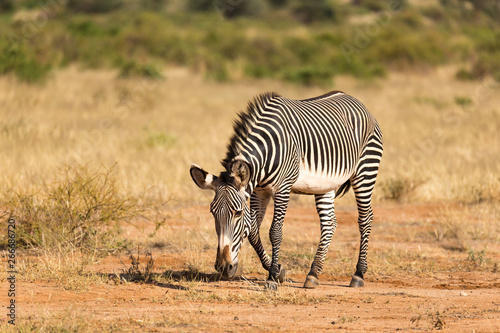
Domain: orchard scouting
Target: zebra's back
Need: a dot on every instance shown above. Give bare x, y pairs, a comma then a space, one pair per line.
330, 132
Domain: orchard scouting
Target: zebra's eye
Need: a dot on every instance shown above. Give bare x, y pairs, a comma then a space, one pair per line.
238, 213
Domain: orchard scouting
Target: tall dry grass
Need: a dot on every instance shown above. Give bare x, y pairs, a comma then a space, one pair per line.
441, 135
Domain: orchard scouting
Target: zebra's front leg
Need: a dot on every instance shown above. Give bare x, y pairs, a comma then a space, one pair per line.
254, 239
277, 273
328, 222
258, 205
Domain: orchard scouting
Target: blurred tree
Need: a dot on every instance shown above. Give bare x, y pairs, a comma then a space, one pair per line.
490, 7
93, 6
200, 5
377, 6
278, 3
309, 11
235, 8
6, 5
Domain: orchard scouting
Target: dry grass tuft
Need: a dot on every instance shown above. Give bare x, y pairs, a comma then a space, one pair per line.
69, 270
460, 228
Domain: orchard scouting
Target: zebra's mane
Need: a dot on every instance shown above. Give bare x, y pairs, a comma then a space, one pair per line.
244, 124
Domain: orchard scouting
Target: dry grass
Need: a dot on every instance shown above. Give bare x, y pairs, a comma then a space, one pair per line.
466, 228
74, 320
435, 148
69, 270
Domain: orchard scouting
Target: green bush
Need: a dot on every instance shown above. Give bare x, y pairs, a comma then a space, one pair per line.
310, 75
132, 68
464, 75
272, 46
19, 59
401, 46
487, 65
463, 101
488, 61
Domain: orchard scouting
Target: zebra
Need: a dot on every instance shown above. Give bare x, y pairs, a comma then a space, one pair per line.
320, 146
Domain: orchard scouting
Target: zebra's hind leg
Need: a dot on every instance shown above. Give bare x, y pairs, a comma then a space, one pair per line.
362, 186
365, 218
328, 222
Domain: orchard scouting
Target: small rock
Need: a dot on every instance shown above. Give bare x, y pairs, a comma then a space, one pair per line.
236, 318
463, 293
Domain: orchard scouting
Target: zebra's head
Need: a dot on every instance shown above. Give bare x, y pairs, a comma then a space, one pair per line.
230, 211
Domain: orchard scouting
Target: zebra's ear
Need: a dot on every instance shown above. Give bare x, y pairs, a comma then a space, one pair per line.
204, 180
241, 172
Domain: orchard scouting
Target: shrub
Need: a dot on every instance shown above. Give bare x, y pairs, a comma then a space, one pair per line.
137, 272
82, 209
464, 75
396, 188
488, 64
310, 75
477, 258
132, 68
18, 58
400, 46
463, 101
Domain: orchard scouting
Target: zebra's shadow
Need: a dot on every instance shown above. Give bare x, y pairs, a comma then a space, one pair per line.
175, 280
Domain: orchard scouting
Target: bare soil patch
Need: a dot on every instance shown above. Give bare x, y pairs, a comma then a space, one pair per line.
406, 295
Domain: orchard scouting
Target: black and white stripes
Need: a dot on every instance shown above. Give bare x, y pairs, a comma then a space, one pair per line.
318, 146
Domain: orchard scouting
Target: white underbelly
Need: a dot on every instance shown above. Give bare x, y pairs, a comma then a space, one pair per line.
317, 183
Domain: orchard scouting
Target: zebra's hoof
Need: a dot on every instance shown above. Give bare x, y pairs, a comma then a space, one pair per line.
282, 274
357, 282
311, 282
271, 285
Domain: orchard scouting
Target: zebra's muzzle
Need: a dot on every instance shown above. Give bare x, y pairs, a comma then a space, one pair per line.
225, 265
228, 270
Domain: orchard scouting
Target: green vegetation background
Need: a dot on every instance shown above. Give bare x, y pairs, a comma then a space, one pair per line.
308, 42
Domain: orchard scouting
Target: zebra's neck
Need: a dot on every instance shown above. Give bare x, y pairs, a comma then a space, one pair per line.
244, 124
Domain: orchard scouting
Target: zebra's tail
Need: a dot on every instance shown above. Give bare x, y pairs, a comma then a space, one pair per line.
343, 189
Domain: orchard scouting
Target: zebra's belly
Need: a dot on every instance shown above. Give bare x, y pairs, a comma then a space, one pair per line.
310, 182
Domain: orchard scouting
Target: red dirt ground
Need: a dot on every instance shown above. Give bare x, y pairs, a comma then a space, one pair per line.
455, 301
